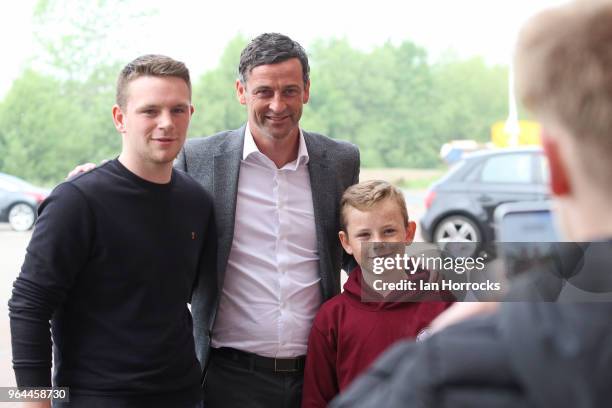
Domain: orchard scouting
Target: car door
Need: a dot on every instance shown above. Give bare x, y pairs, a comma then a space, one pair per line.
6, 196
507, 177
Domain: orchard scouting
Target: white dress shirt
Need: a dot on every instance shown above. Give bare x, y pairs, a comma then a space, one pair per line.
271, 291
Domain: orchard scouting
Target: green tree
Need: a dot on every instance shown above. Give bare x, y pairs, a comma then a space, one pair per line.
375, 100
214, 94
76, 38
58, 113
43, 131
470, 96
390, 101
332, 110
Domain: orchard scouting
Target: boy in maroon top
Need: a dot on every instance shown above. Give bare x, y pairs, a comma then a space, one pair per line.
348, 334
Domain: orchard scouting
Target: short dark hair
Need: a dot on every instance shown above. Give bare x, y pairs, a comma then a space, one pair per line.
271, 48
150, 65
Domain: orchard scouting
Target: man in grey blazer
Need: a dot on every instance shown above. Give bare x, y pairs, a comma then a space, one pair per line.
276, 190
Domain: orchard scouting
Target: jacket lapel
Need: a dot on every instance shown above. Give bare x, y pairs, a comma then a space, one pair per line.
322, 182
226, 172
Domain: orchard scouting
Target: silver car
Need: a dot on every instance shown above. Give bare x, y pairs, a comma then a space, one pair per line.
19, 201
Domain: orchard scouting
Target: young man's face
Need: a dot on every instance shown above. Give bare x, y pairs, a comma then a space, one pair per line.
155, 118
382, 223
274, 95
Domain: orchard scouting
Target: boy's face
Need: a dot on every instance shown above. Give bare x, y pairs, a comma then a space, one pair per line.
381, 223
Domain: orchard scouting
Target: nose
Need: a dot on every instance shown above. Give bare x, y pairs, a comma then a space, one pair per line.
377, 247
377, 243
165, 121
277, 104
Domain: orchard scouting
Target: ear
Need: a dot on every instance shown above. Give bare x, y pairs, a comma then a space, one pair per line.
241, 92
119, 119
559, 182
306, 95
344, 241
410, 231
191, 109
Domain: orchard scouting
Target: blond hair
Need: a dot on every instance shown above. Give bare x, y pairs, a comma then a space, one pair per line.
564, 75
367, 194
149, 65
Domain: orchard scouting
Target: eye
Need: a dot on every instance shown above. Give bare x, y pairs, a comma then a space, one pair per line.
179, 110
264, 93
390, 231
149, 112
291, 92
363, 236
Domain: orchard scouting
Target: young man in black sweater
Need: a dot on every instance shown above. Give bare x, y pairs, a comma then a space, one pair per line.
113, 261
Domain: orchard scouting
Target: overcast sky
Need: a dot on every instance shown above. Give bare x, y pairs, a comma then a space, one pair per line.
197, 32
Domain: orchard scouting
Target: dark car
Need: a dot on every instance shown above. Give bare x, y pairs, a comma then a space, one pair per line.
19, 201
460, 206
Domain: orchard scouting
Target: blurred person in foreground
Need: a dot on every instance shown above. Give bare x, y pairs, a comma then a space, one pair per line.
356, 326
113, 261
526, 353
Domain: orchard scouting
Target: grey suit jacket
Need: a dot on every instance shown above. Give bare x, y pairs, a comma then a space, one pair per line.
215, 163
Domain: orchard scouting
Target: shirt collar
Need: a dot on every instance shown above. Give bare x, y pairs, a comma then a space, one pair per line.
250, 148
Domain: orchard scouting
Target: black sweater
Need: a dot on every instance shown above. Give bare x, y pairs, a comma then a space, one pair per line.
112, 263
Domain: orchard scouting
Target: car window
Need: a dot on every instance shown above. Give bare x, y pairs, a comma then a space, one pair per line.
454, 169
507, 168
474, 174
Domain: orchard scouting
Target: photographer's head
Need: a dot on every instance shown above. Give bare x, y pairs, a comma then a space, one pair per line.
564, 76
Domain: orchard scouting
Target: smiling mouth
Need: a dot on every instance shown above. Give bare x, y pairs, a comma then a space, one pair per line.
276, 118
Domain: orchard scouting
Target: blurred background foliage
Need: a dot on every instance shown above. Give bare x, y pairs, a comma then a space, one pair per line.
392, 101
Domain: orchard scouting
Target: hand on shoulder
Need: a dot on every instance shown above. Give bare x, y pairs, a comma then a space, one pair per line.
83, 168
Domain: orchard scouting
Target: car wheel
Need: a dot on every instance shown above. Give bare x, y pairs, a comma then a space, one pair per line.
21, 216
459, 229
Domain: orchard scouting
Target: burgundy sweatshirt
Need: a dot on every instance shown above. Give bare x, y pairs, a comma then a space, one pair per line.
347, 335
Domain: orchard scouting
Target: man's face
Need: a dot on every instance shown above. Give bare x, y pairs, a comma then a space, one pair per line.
155, 119
274, 95
382, 223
